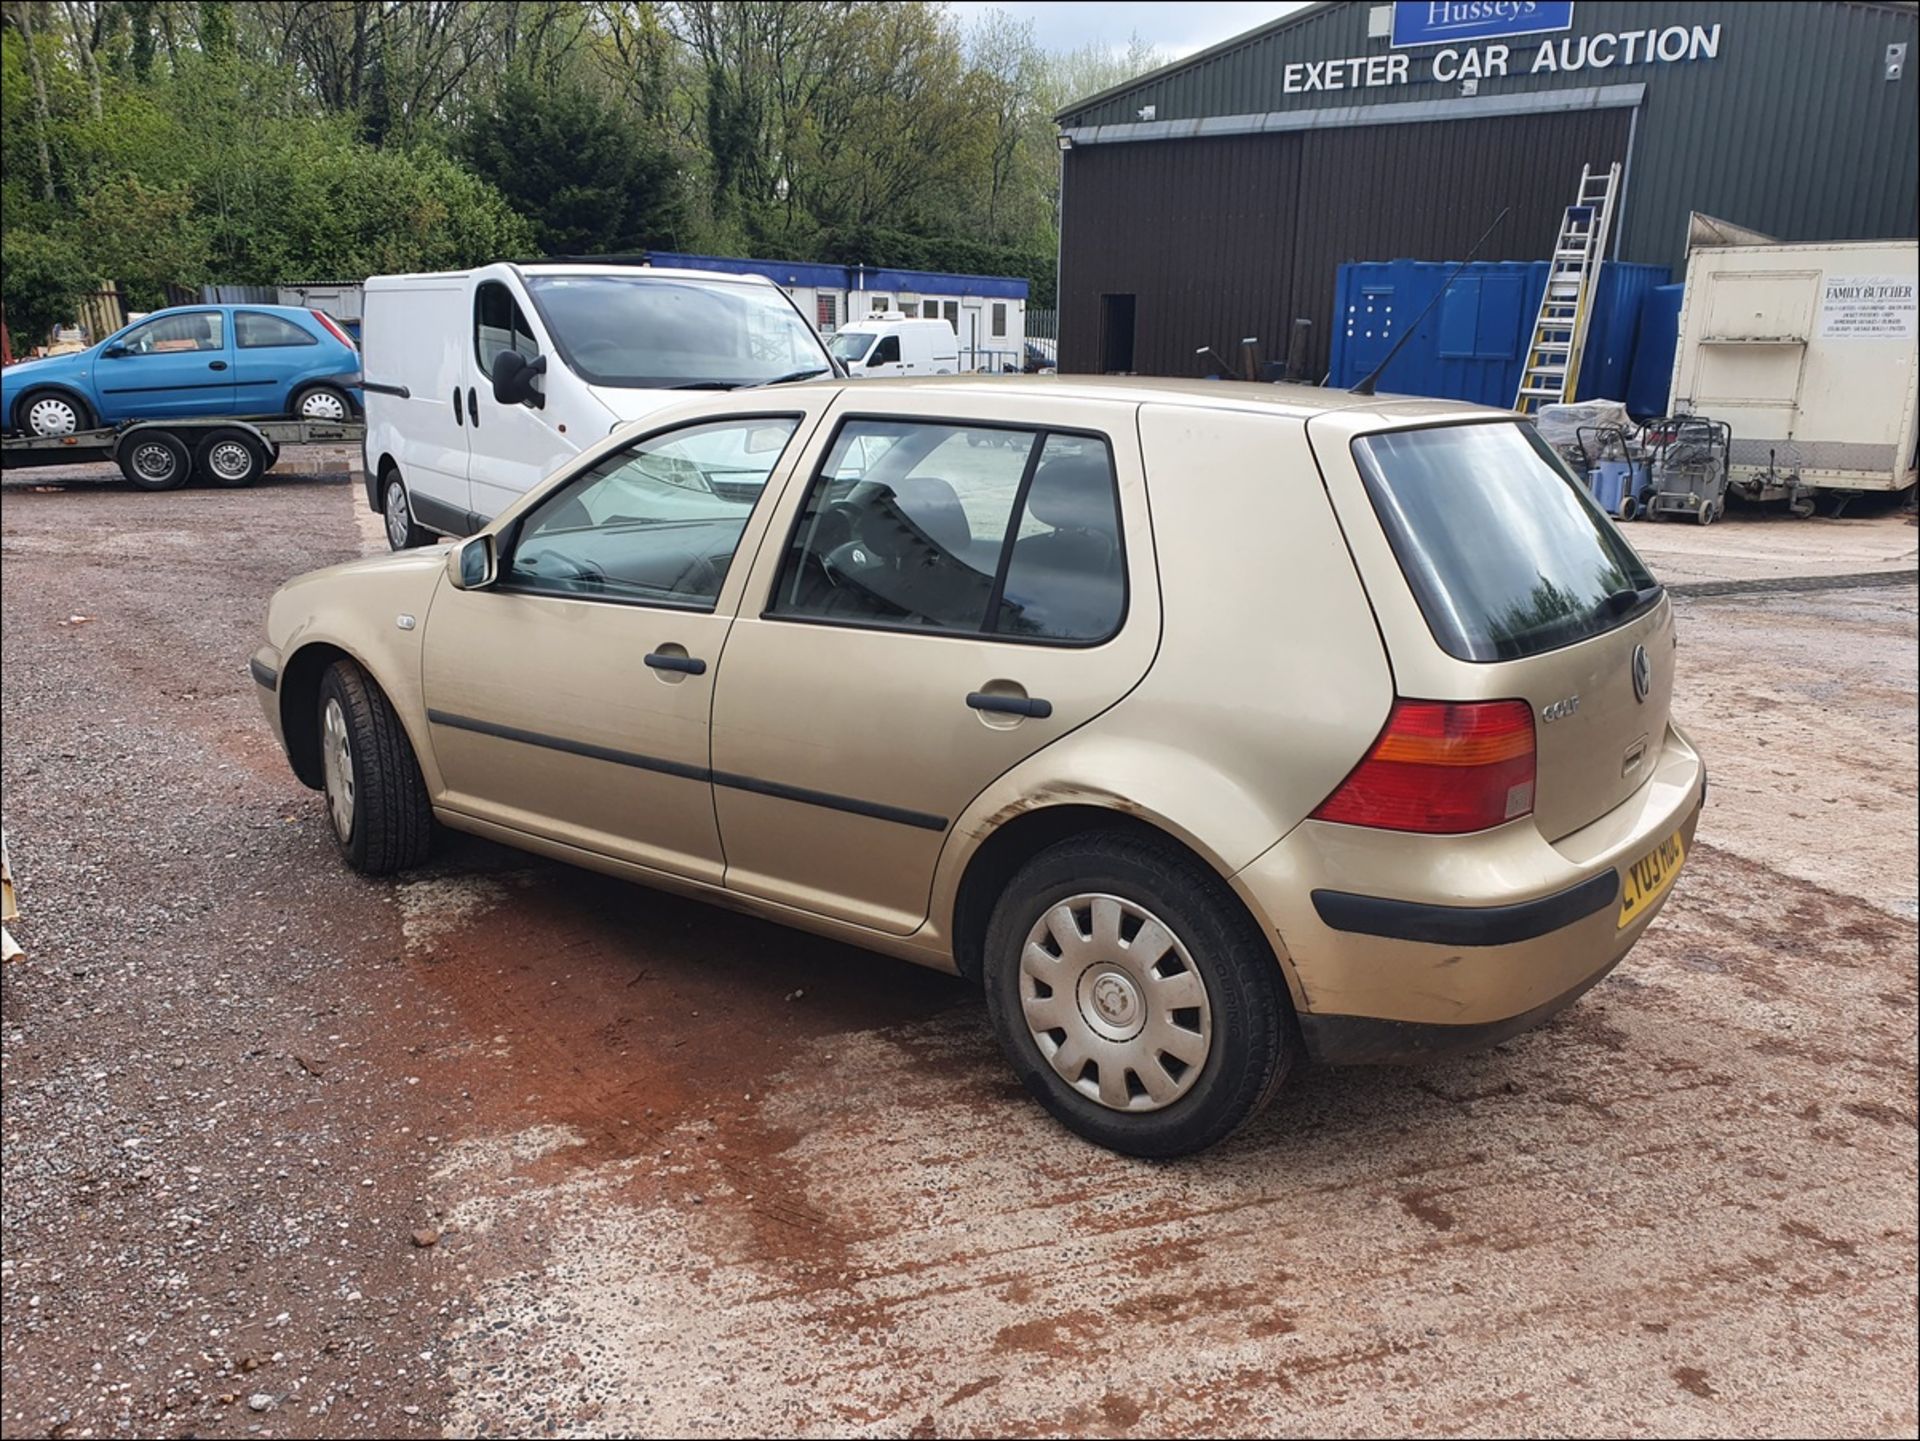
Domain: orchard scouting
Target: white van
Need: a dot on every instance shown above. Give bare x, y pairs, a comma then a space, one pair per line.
479, 383
891, 344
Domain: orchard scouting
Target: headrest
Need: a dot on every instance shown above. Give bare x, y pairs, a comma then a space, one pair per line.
1074, 492
930, 506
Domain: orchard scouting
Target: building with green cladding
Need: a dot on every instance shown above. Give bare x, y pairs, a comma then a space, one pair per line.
1215, 198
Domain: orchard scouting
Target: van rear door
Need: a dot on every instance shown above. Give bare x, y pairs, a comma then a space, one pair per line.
1495, 576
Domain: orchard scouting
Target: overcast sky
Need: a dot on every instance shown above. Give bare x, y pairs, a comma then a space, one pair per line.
1179, 28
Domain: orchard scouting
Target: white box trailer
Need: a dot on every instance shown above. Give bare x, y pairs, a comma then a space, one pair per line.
1811, 353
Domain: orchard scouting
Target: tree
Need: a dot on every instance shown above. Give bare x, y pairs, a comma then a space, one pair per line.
145, 237
589, 177
43, 283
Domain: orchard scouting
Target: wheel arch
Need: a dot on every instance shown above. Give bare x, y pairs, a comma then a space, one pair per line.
1010, 845
376, 482
299, 702
89, 410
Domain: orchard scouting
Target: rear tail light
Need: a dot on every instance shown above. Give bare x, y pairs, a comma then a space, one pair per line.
1442, 768
333, 328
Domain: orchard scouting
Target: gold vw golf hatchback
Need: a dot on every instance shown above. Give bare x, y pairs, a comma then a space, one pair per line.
1208, 726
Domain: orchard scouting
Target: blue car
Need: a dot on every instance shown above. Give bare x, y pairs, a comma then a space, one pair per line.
263, 360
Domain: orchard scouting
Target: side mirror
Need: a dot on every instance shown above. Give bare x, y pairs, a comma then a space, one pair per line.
113, 352
471, 564
513, 377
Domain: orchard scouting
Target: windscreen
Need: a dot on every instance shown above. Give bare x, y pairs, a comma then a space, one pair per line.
654, 333
851, 345
1507, 556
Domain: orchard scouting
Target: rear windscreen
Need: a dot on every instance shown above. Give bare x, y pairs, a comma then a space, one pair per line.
1506, 555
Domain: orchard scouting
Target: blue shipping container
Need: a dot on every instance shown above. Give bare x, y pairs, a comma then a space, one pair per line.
1471, 344
1651, 379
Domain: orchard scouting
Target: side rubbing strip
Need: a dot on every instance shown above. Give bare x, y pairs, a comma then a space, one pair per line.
578, 748
919, 820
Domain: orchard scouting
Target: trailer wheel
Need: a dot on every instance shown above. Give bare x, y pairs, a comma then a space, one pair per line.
155, 460
230, 458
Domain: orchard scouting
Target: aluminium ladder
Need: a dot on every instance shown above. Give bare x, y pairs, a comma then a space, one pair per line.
1560, 330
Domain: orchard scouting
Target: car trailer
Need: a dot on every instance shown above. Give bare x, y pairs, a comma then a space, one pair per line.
222, 450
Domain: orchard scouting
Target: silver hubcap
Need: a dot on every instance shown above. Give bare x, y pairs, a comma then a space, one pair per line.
322, 405
336, 753
399, 522
52, 416
230, 460
1114, 1002
154, 462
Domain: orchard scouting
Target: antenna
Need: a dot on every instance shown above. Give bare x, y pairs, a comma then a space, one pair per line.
1365, 387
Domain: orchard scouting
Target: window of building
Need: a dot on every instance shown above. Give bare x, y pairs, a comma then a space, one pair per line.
960, 528
827, 312
999, 319
910, 309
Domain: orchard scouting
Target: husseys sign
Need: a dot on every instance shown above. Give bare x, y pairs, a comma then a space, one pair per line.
1439, 21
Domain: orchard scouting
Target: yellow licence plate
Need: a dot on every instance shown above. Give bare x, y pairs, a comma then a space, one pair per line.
1650, 877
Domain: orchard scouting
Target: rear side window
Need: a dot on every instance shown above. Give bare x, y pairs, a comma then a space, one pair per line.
1506, 555
962, 529
253, 330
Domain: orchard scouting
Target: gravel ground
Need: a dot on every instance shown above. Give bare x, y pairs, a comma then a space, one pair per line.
507, 1147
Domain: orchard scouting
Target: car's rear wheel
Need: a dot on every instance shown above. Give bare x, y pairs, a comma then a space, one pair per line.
322, 402
231, 458
1133, 996
155, 460
51, 413
376, 797
397, 510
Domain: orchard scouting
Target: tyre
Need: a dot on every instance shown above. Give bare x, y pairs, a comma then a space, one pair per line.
155, 460
321, 402
51, 412
230, 458
402, 533
1133, 996
376, 798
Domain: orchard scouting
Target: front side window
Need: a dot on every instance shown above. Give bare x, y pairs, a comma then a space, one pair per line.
253, 330
962, 529
661, 333
887, 352
656, 522
170, 334
1506, 555
499, 324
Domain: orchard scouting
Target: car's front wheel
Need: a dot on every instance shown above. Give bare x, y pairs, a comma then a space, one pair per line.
1134, 997
397, 511
50, 413
376, 797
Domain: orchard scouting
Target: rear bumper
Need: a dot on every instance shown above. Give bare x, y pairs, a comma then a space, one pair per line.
1406, 947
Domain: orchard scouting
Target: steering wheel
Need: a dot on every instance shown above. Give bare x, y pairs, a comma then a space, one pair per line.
565, 570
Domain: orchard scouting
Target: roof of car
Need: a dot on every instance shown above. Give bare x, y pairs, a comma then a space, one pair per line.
1297, 401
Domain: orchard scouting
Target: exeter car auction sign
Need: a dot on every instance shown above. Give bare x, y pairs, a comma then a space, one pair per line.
1440, 22
1495, 59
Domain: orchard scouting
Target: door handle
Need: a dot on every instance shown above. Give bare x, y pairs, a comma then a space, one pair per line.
473, 407
1011, 704
459, 417
216, 365
666, 660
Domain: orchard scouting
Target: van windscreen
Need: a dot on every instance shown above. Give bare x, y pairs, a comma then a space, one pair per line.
656, 332
1507, 556
851, 345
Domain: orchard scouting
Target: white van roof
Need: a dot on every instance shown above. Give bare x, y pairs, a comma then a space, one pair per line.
565, 267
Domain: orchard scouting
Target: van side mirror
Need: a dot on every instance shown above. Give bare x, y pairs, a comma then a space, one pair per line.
471, 565
513, 377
